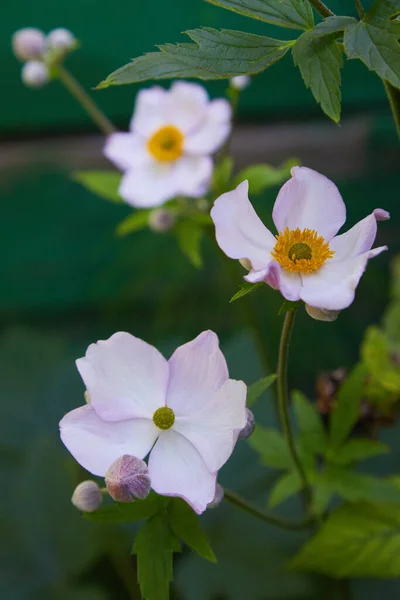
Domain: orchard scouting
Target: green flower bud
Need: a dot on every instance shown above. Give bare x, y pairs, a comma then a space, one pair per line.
128, 479
87, 496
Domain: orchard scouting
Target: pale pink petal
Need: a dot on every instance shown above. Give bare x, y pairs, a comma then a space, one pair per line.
126, 150
177, 469
213, 429
239, 231
96, 444
125, 377
358, 239
186, 105
150, 185
256, 276
333, 286
192, 175
149, 114
289, 284
197, 370
309, 200
213, 131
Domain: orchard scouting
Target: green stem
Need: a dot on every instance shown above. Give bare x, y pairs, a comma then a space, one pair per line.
393, 95
360, 8
283, 403
261, 514
322, 9
78, 92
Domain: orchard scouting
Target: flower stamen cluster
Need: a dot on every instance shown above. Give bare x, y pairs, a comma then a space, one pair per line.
301, 250
166, 144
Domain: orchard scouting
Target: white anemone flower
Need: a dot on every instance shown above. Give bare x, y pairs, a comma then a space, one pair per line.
306, 260
185, 412
167, 152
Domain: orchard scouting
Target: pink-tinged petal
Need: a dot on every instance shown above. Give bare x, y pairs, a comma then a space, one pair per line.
126, 150
213, 430
333, 286
309, 200
186, 105
197, 370
192, 175
239, 231
125, 377
257, 276
177, 469
213, 131
288, 284
149, 114
358, 239
96, 444
150, 185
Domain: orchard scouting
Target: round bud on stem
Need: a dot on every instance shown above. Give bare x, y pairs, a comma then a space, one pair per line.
219, 496
60, 39
128, 479
161, 220
28, 43
87, 496
322, 314
240, 82
34, 74
249, 427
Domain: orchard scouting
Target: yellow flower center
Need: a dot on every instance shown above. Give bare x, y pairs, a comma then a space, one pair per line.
166, 144
164, 417
301, 250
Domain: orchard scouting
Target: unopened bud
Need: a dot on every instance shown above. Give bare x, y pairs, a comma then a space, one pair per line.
161, 220
240, 82
60, 39
28, 43
87, 497
34, 74
128, 479
322, 314
249, 427
218, 497
245, 263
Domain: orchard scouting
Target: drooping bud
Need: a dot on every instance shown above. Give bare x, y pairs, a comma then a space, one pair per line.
322, 314
161, 220
249, 427
218, 497
87, 496
34, 74
28, 43
240, 82
246, 264
60, 39
128, 479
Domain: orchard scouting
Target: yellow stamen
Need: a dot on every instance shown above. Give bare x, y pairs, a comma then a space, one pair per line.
166, 144
301, 250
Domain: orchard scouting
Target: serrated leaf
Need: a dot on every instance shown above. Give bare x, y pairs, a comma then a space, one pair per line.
129, 512
358, 540
102, 183
359, 449
357, 487
246, 288
271, 447
189, 235
286, 486
216, 54
133, 222
295, 14
255, 390
222, 175
186, 526
262, 177
312, 431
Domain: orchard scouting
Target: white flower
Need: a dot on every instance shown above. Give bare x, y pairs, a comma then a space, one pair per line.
28, 43
167, 152
34, 74
185, 412
60, 39
240, 82
306, 260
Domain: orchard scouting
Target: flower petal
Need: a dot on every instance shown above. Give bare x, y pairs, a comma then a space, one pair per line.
96, 444
358, 239
149, 186
197, 370
149, 114
186, 105
213, 131
177, 469
213, 430
125, 150
125, 377
333, 286
288, 284
309, 200
193, 175
239, 231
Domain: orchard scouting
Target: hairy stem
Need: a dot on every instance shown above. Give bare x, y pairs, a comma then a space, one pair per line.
360, 8
78, 92
322, 9
393, 95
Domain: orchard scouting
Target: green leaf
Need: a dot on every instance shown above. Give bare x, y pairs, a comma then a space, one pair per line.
255, 390
322, 495
245, 288
154, 547
262, 177
356, 487
128, 512
133, 222
272, 448
376, 353
186, 526
222, 175
312, 432
102, 183
295, 14
359, 449
189, 235
345, 415
286, 486
358, 540
375, 41
216, 54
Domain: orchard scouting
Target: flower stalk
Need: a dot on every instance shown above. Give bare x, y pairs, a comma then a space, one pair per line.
322, 9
